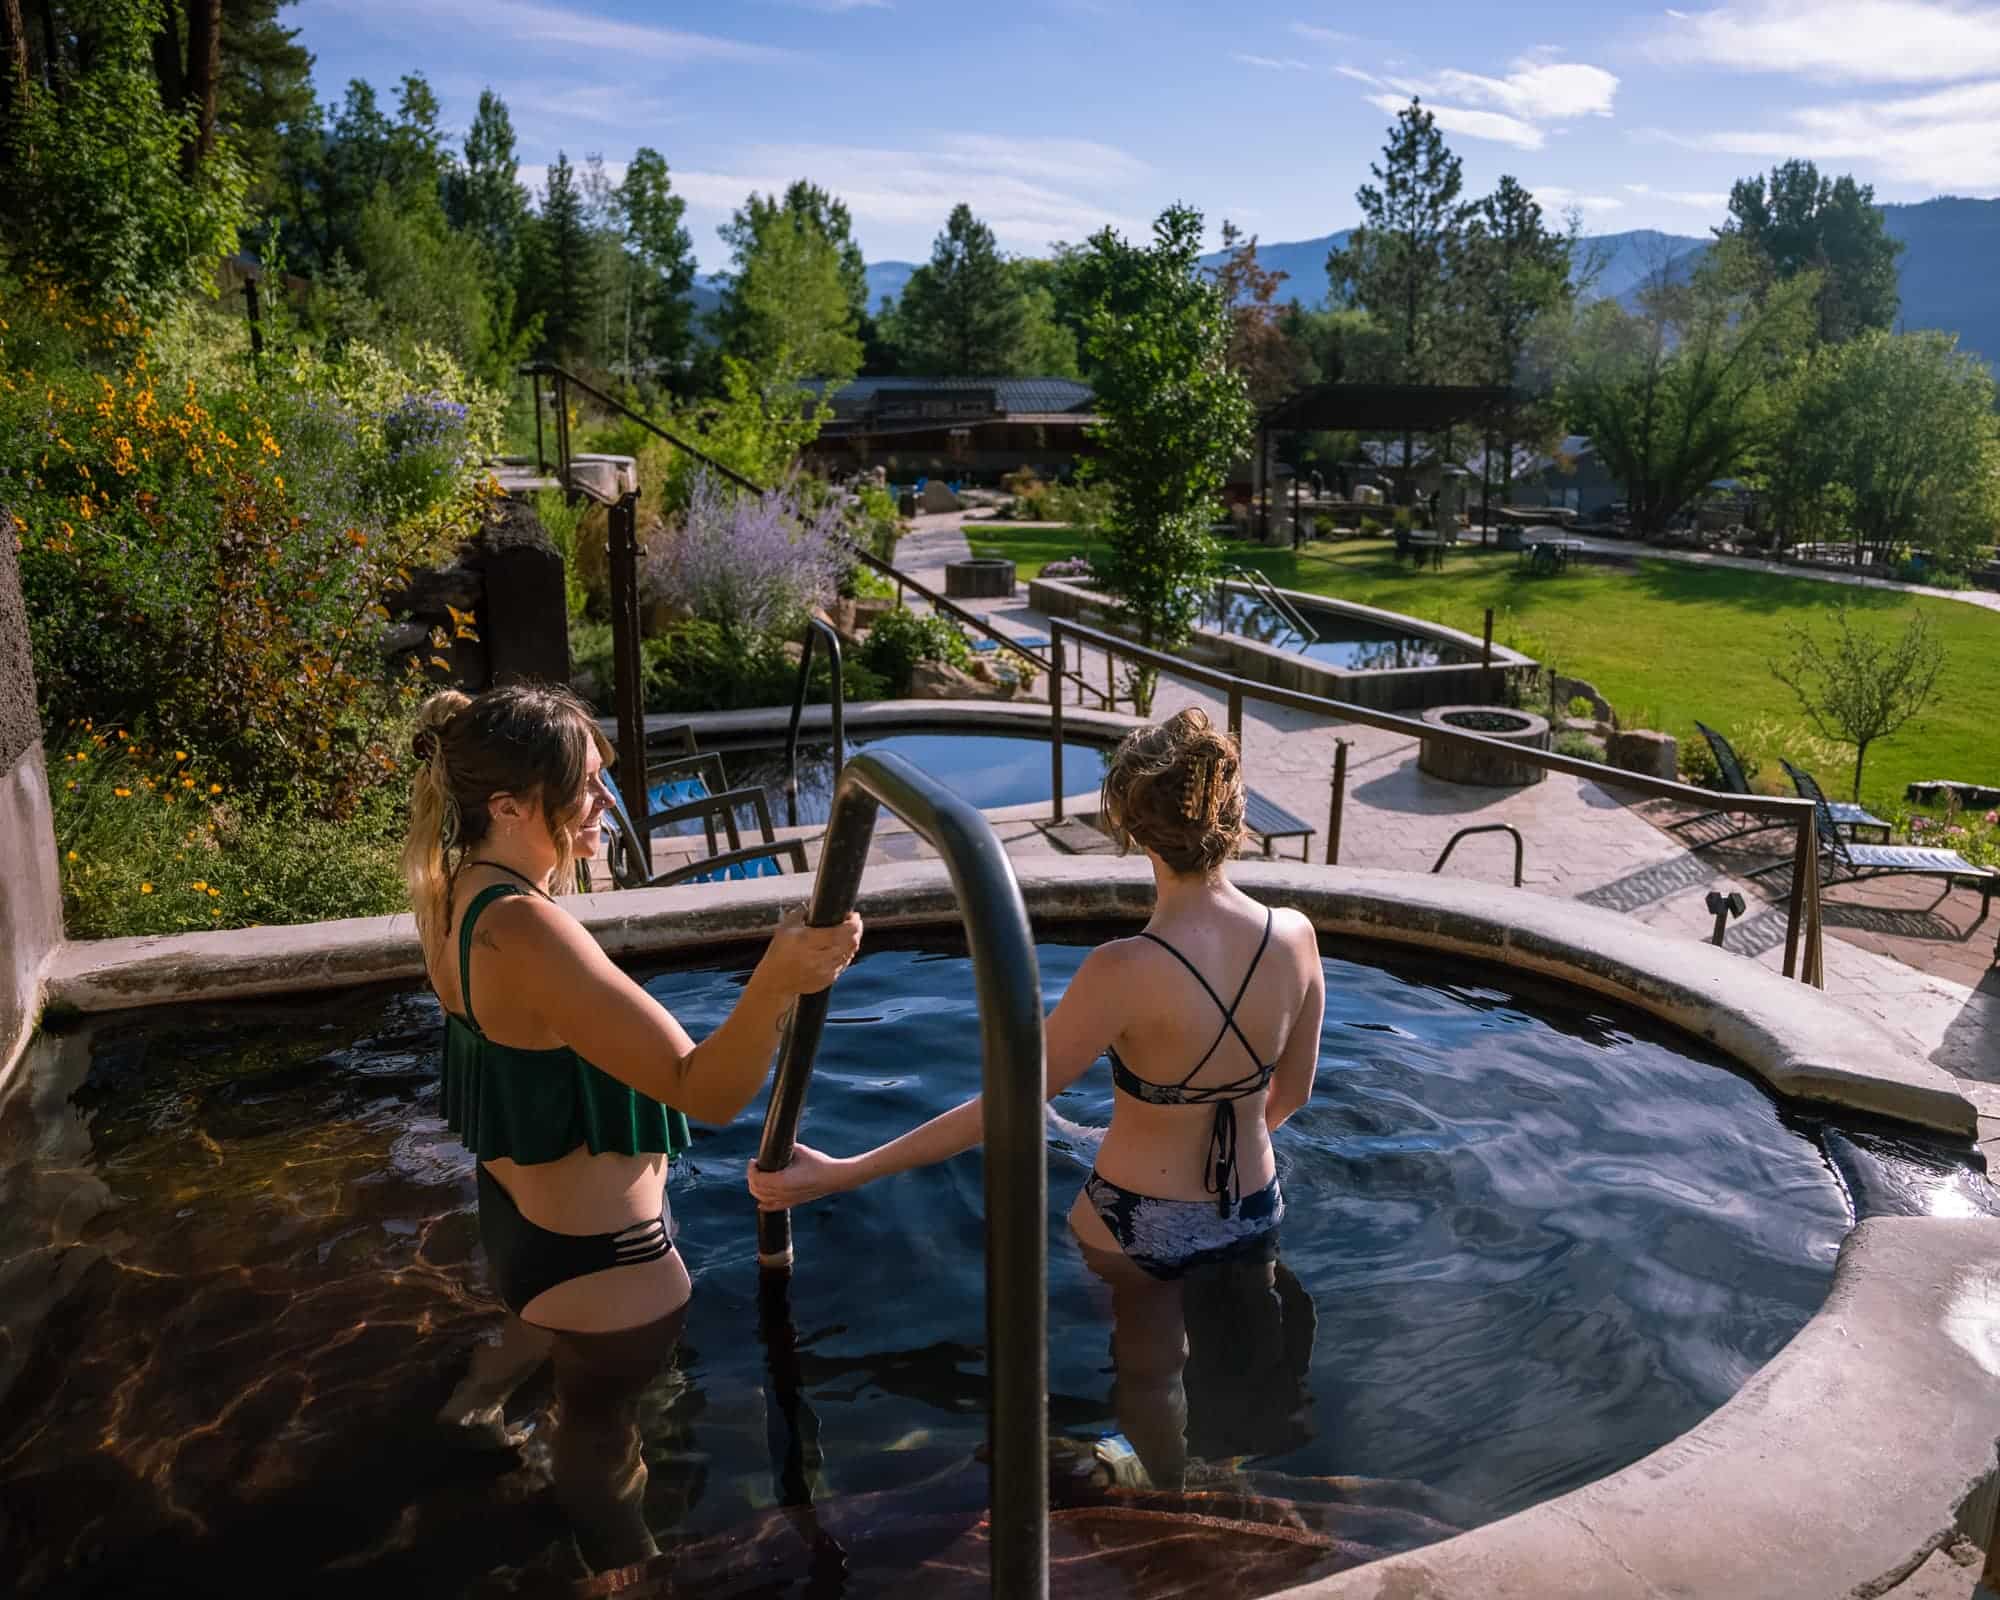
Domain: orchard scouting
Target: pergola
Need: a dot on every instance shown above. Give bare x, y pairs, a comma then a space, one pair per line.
1393, 408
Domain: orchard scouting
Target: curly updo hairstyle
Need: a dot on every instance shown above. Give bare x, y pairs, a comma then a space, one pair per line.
1176, 789
524, 740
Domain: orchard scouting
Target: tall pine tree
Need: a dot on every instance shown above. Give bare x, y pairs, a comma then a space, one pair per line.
564, 264
1802, 222
1401, 263
963, 313
657, 236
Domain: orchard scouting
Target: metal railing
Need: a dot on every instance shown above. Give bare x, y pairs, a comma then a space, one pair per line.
1507, 828
563, 381
1013, 1080
1802, 904
817, 631
1268, 592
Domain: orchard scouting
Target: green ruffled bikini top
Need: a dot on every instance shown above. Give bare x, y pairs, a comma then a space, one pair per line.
534, 1106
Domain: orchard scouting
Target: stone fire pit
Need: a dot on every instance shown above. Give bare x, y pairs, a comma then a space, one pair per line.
983, 578
1456, 763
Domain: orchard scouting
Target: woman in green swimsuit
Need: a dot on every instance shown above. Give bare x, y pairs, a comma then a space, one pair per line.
569, 1083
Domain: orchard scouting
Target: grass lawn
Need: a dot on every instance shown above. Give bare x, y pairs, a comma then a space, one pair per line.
1665, 644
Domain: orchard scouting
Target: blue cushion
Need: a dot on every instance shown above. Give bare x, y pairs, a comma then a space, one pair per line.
762, 867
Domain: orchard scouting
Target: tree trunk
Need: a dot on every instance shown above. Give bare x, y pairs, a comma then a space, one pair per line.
14, 66
1860, 755
201, 80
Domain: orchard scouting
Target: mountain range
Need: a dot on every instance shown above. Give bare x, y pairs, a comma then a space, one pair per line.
1950, 248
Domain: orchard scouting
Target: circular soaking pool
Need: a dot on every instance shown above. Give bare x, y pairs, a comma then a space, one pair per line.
1531, 1237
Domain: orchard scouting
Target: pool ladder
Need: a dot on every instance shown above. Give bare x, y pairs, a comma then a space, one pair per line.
1013, 1080
818, 631
1271, 595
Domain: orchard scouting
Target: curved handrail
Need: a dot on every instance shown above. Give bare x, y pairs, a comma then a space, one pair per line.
1508, 828
1013, 1079
1268, 592
817, 629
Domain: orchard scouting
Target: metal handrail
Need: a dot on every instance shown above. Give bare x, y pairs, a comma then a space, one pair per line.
537, 370
1013, 1082
1802, 913
818, 629
1268, 592
1451, 844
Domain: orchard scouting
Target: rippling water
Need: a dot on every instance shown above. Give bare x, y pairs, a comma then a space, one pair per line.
1530, 1237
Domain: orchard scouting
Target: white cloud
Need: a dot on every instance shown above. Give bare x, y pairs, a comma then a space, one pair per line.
1273, 63
1840, 41
1947, 140
1509, 110
1473, 124
1700, 199
1319, 35
550, 27
1540, 91
1554, 197
1031, 192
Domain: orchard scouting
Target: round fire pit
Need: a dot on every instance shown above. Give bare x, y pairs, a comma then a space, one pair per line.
980, 579
1481, 764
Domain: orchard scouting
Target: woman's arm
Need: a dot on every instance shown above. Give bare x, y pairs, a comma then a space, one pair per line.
1085, 1020
539, 950
1292, 1082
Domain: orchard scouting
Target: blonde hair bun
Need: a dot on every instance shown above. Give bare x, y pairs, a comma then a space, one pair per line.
1176, 788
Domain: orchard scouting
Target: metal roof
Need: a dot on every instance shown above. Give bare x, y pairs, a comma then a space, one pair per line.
1043, 396
1387, 407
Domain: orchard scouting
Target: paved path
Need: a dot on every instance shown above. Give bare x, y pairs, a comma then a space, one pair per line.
1581, 839
1985, 598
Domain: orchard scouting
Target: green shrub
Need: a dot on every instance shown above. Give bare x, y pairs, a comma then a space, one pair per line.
1581, 708
1579, 745
148, 843
900, 639
562, 521
1370, 528
873, 523
699, 666
205, 567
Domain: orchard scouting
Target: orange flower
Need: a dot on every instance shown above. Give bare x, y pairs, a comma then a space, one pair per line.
145, 888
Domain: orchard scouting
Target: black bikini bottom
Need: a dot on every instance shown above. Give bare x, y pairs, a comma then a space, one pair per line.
1169, 1238
527, 1259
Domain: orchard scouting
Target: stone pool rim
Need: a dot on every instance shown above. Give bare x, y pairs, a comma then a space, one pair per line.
1863, 1447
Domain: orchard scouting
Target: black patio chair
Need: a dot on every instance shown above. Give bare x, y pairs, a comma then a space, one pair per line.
1844, 813
1842, 862
625, 862
1735, 781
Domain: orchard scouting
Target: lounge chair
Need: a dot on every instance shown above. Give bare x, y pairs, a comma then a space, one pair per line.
1845, 814
626, 861
1842, 862
1735, 781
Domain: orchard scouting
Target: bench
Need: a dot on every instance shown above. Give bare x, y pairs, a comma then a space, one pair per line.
1271, 822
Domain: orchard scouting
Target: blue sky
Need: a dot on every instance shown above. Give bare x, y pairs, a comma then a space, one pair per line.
1052, 117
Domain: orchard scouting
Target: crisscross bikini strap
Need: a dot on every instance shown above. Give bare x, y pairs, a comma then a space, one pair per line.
1229, 1023
480, 901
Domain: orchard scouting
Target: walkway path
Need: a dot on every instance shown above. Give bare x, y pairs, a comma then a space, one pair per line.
1985, 598
1582, 841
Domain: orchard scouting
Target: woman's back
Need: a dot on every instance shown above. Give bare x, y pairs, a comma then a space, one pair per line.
1199, 968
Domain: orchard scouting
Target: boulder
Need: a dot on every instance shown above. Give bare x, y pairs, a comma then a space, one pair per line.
1640, 750
938, 497
1565, 690
939, 680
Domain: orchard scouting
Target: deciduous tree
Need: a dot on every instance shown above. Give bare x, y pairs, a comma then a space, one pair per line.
1176, 414
1798, 221
1857, 685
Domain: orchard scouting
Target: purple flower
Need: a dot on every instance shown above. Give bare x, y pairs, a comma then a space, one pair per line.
751, 563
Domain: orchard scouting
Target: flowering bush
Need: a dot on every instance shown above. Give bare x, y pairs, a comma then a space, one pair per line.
752, 565
1973, 834
204, 566
900, 639
1068, 567
150, 842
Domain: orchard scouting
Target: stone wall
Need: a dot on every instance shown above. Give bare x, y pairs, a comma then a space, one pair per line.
30, 892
